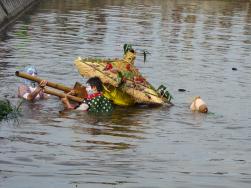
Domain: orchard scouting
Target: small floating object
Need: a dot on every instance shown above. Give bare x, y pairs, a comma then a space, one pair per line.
198, 105
234, 69
181, 90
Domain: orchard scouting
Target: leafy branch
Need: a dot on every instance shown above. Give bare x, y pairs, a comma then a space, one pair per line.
8, 111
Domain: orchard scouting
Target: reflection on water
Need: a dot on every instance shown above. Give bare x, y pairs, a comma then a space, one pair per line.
194, 45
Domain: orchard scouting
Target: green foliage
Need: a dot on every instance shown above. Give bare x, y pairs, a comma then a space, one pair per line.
123, 76
7, 111
165, 93
119, 77
127, 47
128, 75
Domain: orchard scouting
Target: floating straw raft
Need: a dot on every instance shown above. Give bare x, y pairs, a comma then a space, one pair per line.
121, 75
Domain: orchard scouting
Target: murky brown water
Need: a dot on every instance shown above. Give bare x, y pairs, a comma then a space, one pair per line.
193, 45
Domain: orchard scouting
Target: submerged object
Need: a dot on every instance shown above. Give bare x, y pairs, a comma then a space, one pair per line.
123, 82
181, 90
234, 69
199, 105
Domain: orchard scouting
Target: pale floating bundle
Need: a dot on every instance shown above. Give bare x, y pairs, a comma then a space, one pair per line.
122, 75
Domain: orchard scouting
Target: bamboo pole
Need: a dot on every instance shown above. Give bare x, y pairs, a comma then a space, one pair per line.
56, 86
38, 80
61, 95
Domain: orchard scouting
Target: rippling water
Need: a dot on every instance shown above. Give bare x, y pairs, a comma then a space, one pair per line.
194, 45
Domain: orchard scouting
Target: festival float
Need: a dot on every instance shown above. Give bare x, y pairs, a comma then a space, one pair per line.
122, 81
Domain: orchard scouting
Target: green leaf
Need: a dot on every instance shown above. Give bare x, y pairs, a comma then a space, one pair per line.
119, 77
7, 111
162, 90
128, 75
127, 47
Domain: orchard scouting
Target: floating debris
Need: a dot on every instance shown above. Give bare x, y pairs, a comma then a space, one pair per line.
8, 111
199, 105
234, 69
181, 90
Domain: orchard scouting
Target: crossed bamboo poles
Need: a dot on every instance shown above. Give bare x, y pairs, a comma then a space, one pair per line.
78, 88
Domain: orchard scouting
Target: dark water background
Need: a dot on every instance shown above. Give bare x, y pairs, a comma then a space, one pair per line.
193, 45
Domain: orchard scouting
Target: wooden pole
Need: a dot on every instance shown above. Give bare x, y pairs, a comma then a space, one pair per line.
80, 90
61, 95
38, 80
